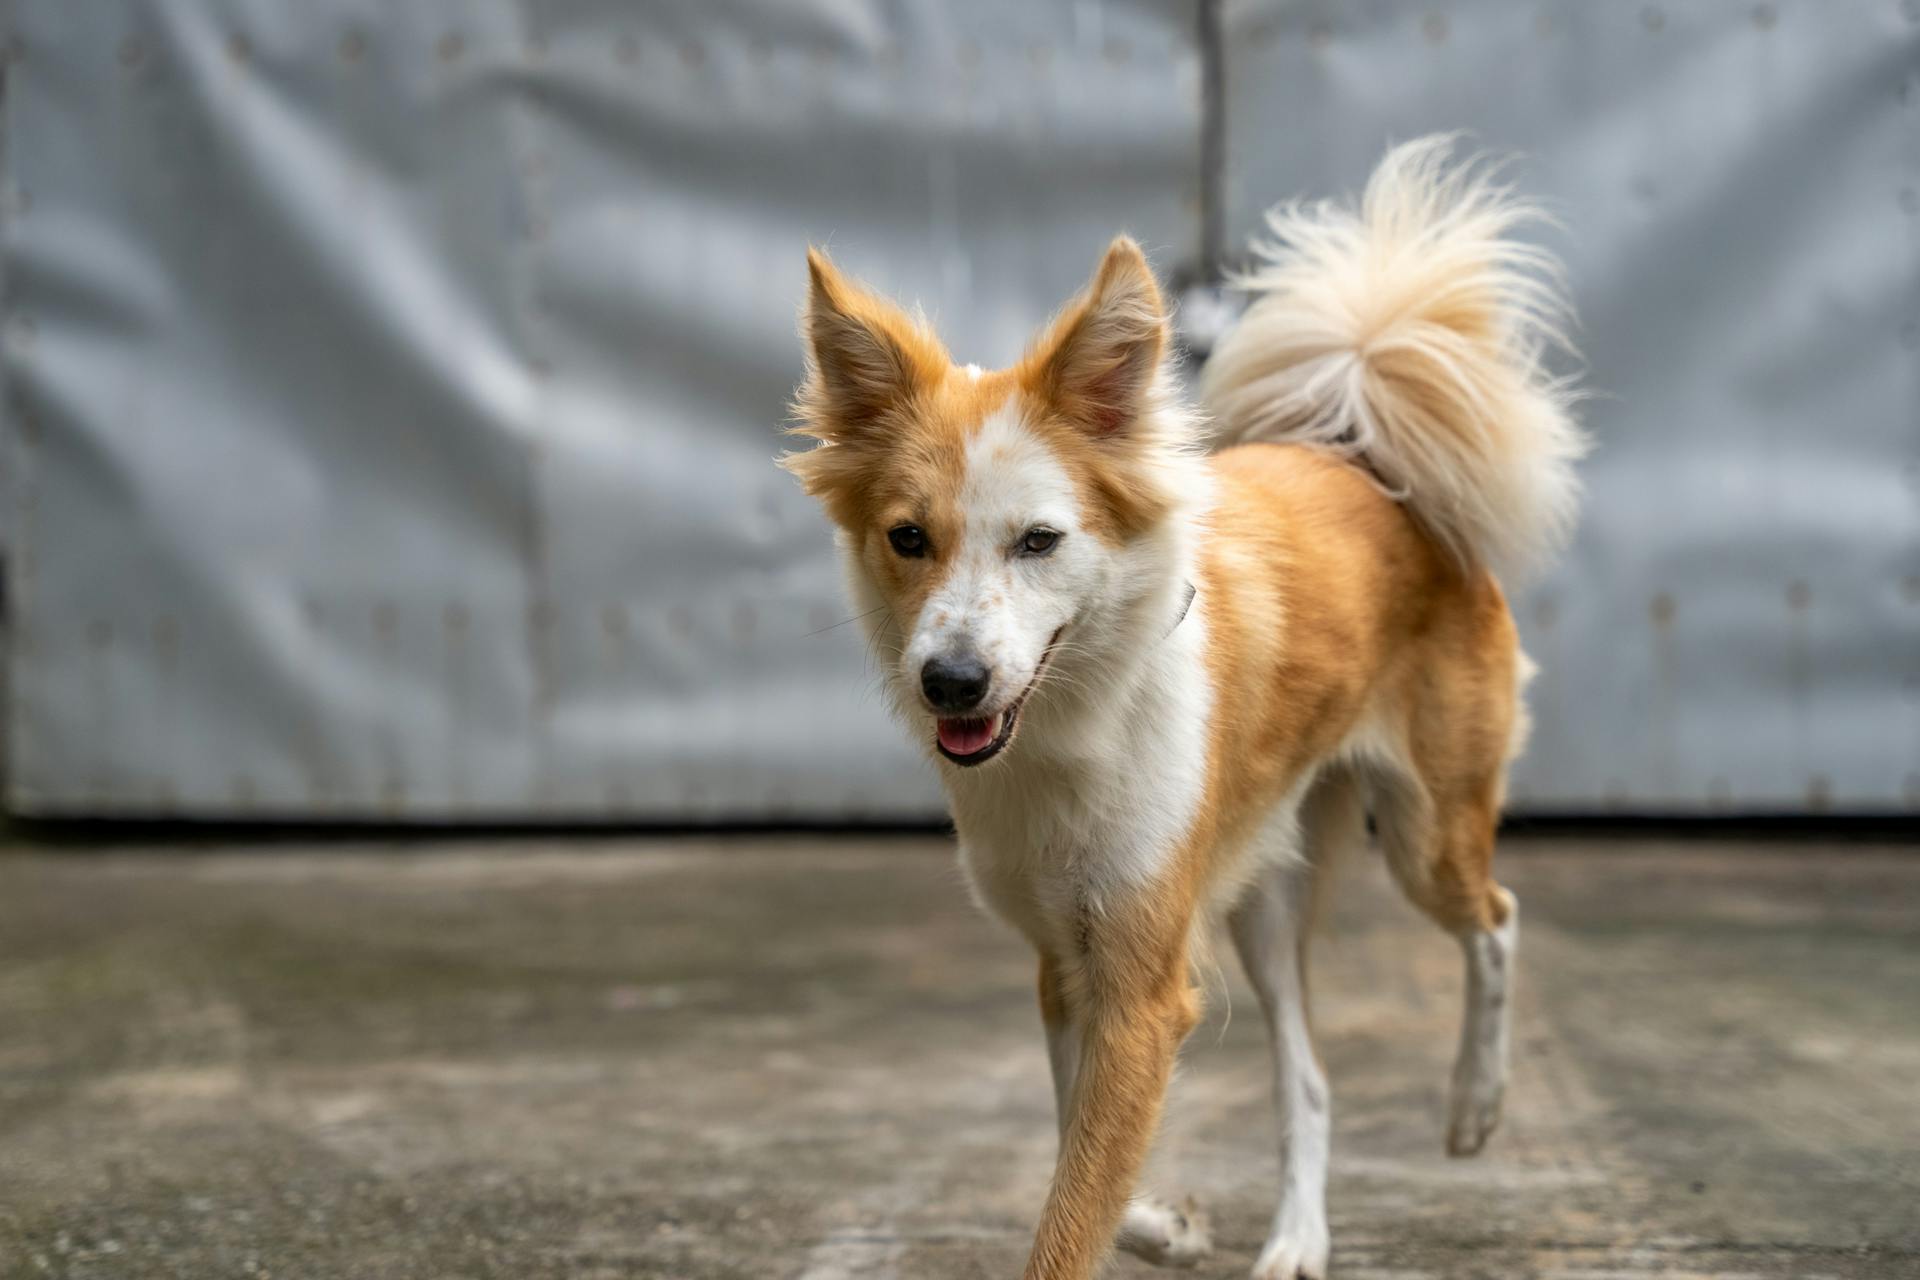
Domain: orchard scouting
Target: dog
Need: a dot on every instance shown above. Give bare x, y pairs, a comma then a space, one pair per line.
1169, 662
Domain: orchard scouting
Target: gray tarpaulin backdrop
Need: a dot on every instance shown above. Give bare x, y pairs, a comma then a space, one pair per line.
391, 389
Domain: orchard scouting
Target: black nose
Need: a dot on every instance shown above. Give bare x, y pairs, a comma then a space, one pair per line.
954, 684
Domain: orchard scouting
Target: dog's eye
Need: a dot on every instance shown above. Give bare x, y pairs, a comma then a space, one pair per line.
1038, 542
908, 540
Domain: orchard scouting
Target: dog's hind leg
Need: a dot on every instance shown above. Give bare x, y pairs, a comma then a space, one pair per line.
1270, 925
1439, 843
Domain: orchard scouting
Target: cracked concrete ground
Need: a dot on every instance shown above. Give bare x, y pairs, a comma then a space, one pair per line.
811, 1058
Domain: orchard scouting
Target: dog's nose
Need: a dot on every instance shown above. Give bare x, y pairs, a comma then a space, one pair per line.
954, 685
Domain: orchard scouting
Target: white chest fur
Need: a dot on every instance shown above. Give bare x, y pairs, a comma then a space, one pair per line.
1098, 794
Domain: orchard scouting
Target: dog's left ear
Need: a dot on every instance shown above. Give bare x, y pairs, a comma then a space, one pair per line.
1097, 364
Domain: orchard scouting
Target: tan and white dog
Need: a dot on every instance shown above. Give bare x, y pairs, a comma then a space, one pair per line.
1164, 687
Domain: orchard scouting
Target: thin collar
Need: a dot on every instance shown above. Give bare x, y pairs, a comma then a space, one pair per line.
1185, 605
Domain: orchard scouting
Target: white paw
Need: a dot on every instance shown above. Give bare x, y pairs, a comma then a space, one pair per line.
1474, 1113
1296, 1252
1165, 1234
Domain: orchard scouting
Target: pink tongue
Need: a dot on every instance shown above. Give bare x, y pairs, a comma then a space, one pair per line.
964, 737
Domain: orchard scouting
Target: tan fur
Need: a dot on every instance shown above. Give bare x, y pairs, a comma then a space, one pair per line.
1347, 640
1326, 603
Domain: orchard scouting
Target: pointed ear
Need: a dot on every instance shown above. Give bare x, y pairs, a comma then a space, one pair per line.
1098, 362
864, 355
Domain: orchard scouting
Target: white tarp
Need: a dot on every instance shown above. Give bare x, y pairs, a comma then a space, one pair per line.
391, 391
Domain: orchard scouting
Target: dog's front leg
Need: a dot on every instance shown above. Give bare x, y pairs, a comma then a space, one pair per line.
1116, 1014
1171, 1235
1269, 927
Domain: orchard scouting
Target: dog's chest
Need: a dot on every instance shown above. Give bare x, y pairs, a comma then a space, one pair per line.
1042, 857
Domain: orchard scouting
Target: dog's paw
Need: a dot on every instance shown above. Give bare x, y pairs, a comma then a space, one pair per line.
1296, 1253
1166, 1235
1473, 1115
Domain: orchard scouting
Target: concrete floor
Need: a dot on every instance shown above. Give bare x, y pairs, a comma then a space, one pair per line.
811, 1058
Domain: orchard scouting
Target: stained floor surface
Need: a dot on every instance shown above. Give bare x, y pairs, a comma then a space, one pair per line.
812, 1059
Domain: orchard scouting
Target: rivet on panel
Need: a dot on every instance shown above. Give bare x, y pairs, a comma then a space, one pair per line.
1434, 28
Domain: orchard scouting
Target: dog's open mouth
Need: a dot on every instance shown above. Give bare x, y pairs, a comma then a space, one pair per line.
971, 740
976, 741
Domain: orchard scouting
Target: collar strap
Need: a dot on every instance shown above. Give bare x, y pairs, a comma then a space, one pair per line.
1186, 603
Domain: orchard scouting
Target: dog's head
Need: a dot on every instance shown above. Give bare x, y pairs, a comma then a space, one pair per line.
999, 526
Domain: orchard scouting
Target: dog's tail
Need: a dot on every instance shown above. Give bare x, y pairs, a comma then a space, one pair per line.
1408, 334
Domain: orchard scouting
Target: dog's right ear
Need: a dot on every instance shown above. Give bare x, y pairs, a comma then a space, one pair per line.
864, 356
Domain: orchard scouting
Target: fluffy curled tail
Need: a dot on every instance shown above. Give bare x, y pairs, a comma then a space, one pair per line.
1408, 333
